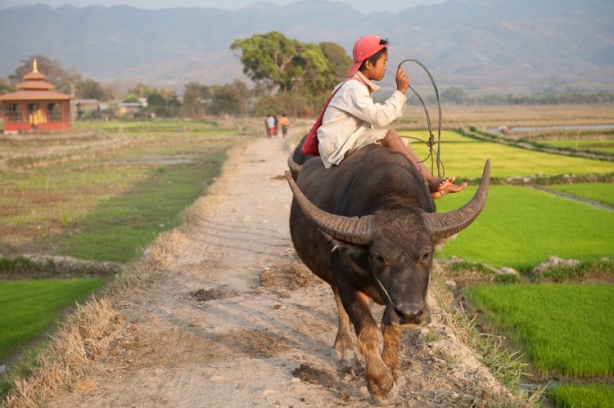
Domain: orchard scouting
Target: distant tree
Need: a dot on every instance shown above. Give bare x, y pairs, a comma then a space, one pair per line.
162, 106
453, 95
113, 108
140, 91
111, 91
230, 98
90, 89
5, 87
173, 106
195, 96
156, 103
130, 98
62, 78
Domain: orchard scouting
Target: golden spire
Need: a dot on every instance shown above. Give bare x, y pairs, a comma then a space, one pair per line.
34, 66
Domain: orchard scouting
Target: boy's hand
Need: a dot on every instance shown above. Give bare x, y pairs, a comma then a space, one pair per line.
402, 80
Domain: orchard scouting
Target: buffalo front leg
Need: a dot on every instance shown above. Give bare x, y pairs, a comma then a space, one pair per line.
390, 354
380, 380
344, 346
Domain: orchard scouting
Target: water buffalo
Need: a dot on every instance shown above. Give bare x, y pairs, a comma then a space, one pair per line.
368, 228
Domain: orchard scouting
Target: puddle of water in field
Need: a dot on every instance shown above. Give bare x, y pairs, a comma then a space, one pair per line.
165, 160
576, 198
518, 129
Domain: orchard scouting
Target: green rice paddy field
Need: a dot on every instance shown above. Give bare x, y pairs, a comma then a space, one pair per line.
566, 349
564, 330
521, 227
30, 307
604, 146
464, 158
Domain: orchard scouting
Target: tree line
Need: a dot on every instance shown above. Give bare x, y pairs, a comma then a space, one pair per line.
288, 76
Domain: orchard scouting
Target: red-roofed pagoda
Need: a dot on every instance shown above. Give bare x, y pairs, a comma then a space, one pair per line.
35, 106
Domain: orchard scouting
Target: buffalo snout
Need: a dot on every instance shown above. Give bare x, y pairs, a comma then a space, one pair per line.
407, 315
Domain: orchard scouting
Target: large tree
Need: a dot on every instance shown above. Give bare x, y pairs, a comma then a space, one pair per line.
338, 60
267, 58
277, 63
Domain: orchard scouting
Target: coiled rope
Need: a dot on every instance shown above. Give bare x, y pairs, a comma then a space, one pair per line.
431, 142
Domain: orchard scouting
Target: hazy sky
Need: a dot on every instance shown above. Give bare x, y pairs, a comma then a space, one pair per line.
364, 6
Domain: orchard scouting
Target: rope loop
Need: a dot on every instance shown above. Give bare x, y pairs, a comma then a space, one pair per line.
431, 141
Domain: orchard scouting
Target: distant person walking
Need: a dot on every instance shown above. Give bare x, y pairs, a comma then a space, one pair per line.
284, 122
276, 125
270, 125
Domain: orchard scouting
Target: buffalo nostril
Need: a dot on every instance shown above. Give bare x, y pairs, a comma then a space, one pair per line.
410, 311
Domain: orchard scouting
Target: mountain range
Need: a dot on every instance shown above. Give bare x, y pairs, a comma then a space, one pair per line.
483, 46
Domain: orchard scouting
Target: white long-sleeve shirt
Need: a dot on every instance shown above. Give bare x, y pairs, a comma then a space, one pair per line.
352, 120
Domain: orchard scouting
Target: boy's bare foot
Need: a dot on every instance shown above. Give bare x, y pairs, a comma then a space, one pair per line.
439, 187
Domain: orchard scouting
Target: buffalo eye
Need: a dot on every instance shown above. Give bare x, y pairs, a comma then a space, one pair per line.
379, 259
425, 257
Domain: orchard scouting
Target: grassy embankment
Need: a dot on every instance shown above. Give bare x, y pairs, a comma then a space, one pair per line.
600, 193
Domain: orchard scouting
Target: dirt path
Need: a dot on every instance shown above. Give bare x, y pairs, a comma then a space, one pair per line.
236, 320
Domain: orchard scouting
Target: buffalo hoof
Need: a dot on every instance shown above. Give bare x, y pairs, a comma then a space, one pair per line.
389, 397
384, 388
343, 349
346, 355
399, 379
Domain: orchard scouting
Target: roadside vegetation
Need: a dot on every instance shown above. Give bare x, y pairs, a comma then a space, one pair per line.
87, 203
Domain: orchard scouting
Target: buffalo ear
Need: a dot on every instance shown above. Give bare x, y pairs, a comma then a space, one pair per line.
350, 248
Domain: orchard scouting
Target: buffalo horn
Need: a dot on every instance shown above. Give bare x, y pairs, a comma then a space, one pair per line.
350, 229
444, 225
295, 168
